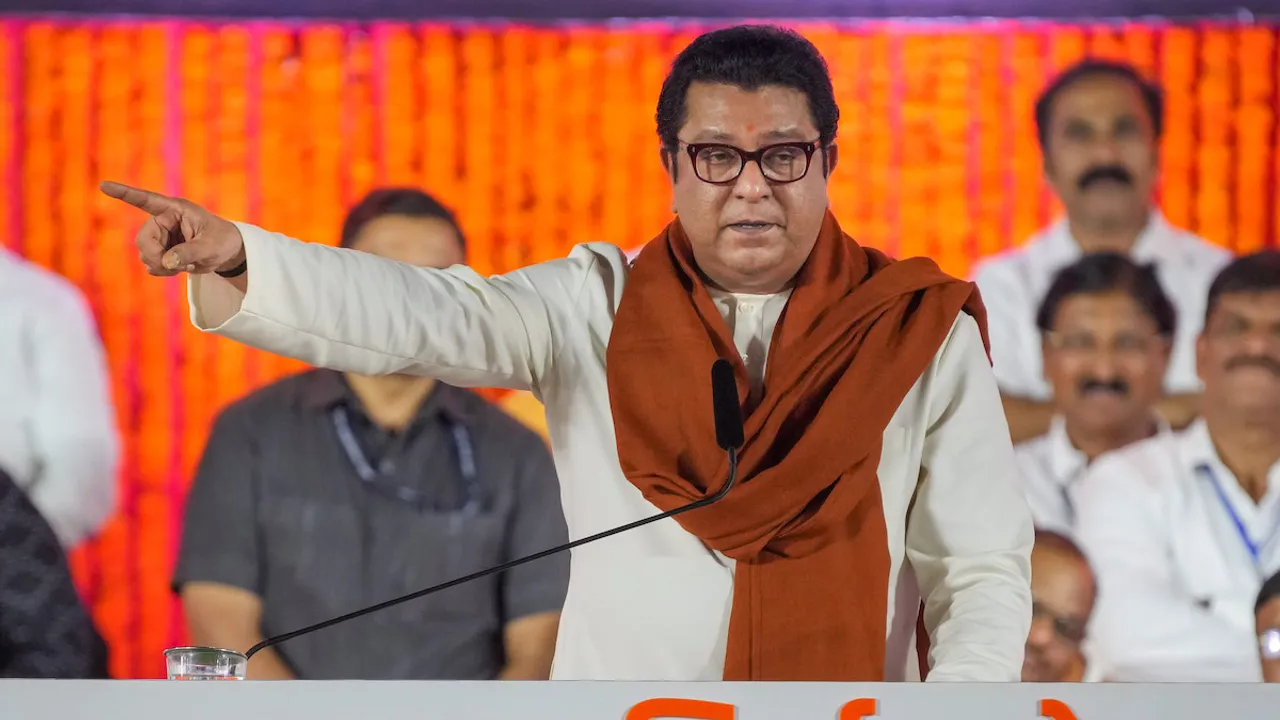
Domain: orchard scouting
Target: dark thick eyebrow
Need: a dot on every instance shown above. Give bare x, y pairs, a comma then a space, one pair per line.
712, 136
785, 135
791, 134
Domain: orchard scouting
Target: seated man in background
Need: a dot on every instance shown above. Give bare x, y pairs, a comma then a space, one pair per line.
327, 492
1099, 126
1106, 328
1063, 592
1267, 613
58, 438
1182, 527
45, 631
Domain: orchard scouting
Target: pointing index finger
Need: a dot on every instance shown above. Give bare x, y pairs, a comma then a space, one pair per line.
150, 202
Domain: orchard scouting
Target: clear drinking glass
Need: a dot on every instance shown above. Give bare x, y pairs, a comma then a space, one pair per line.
205, 663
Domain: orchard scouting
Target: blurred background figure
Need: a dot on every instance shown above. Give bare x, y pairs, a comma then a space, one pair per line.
1099, 124
326, 492
1181, 528
58, 437
45, 631
1063, 592
1106, 327
1267, 613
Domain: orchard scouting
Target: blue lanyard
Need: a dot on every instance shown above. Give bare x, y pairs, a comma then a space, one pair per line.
379, 477
1254, 548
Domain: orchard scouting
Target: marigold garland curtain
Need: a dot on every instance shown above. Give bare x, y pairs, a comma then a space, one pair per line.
540, 138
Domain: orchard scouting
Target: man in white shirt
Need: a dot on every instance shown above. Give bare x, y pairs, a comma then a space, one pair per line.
877, 470
1063, 591
1099, 125
1183, 527
1106, 327
57, 424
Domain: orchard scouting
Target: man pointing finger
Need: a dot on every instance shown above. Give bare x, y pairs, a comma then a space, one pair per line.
181, 236
877, 470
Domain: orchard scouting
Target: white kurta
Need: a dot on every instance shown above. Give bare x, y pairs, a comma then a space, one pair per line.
1176, 580
1014, 283
653, 604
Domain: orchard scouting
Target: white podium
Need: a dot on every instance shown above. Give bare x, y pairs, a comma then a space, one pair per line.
353, 700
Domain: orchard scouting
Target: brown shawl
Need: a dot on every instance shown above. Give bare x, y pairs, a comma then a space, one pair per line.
805, 521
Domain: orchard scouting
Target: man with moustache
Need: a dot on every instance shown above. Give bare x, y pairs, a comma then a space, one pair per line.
1182, 528
1106, 327
1063, 594
1099, 125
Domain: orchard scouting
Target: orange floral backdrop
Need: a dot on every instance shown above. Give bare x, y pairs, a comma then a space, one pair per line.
540, 138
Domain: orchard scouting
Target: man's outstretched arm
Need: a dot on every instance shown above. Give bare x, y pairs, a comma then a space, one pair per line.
356, 312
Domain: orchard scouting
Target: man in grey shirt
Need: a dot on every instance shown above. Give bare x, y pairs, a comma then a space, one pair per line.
325, 492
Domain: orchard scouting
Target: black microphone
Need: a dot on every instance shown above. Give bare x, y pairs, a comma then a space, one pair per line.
728, 412
729, 436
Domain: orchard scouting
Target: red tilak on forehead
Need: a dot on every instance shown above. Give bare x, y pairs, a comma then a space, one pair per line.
751, 128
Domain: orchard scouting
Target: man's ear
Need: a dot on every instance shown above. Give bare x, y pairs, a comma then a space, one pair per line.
1202, 355
668, 162
670, 167
1046, 357
829, 158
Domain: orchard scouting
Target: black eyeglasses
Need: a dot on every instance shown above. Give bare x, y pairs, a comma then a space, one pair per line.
719, 164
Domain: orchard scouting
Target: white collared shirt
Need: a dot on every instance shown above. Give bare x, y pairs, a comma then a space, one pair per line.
1013, 284
1176, 581
1050, 465
654, 603
57, 423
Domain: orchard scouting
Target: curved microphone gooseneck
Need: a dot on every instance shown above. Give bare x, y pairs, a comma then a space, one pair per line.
729, 436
